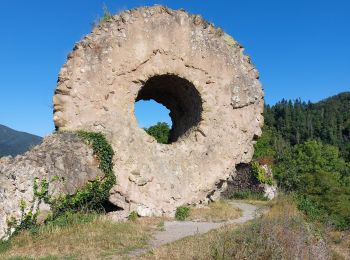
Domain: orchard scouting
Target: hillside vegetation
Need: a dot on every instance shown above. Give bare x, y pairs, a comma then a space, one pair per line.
307, 146
327, 121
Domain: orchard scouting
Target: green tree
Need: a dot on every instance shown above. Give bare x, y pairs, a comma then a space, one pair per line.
160, 132
318, 174
264, 145
327, 120
270, 146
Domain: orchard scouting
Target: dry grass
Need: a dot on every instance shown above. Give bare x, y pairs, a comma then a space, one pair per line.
282, 207
193, 247
98, 238
340, 244
281, 233
218, 211
258, 203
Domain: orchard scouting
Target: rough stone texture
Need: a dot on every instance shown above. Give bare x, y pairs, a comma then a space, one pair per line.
243, 179
62, 159
270, 191
188, 65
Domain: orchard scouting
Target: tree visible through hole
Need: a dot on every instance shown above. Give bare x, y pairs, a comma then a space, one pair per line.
154, 119
180, 97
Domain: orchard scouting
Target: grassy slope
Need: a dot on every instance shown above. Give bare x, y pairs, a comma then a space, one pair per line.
215, 212
89, 236
282, 233
85, 237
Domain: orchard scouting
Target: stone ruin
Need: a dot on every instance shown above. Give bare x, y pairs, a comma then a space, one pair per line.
181, 61
61, 159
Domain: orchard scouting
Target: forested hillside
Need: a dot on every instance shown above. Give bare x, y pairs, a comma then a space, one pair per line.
327, 121
308, 147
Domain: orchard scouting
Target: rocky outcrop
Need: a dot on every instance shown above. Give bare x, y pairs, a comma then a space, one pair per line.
197, 71
62, 159
243, 179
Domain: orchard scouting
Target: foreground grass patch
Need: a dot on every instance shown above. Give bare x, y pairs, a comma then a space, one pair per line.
217, 211
248, 195
194, 247
340, 244
281, 233
82, 237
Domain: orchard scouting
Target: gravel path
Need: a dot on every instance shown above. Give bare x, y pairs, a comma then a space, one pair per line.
175, 230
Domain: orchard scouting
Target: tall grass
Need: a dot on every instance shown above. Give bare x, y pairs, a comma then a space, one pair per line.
217, 211
281, 233
248, 195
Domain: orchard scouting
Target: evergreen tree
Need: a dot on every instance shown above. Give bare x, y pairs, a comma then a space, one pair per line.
327, 121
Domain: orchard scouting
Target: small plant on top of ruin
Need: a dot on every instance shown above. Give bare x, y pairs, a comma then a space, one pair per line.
107, 15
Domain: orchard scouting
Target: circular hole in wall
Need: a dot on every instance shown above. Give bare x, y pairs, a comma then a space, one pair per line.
179, 96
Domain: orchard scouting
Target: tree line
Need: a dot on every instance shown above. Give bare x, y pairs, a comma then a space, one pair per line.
308, 147
327, 121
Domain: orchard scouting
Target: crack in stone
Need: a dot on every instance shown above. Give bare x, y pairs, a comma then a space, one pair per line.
250, 103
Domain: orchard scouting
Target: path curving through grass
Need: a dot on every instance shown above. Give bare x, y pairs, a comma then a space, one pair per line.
175, 230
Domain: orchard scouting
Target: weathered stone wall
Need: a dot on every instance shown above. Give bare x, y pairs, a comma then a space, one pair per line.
196, 70
62, 159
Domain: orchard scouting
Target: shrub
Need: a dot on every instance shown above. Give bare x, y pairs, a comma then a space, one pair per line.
260, 174
182, 213
318, 174
308, 207
69, 218
133, 216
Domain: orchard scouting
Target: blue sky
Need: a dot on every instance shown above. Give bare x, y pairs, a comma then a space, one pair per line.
300, 47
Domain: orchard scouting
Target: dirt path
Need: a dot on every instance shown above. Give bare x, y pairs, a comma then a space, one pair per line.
175, 230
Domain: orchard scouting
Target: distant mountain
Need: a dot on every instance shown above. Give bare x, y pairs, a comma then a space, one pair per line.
13, 142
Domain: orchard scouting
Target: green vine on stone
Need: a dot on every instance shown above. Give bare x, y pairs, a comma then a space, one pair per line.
43, 193
27, 221
95, 193
90, 198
